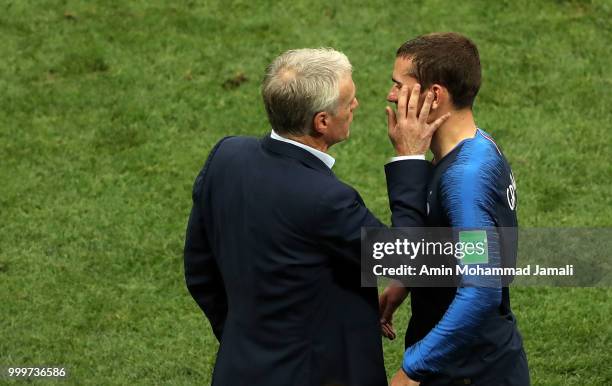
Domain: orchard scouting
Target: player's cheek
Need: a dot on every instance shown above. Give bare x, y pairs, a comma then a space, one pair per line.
422, 101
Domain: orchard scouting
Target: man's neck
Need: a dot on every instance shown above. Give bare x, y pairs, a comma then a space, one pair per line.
314, 142
459, 126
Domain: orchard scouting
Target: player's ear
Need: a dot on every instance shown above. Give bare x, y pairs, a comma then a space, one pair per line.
439, 95
320, 122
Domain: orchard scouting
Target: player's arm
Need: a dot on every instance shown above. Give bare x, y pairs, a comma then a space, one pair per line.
468, 197
202, 275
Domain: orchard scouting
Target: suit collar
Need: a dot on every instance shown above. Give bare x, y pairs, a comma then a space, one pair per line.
327, 159
295, 152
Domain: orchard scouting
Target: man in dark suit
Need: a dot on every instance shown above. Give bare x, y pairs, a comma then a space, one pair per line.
272, 253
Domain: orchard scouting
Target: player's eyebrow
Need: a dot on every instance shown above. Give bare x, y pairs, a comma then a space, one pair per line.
395, 81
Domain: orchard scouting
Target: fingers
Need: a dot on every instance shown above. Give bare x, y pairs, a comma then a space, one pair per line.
390, 335
425, 109
385, 324
437, 123
387, 314
391, 119
388, 331
413, 103
385, 329
402, 102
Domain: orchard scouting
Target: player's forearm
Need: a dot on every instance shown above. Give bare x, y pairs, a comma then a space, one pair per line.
458, 328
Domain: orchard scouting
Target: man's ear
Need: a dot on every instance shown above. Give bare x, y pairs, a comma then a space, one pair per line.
320, 122
440, 94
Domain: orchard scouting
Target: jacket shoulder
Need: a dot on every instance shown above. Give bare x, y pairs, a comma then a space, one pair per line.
236, 142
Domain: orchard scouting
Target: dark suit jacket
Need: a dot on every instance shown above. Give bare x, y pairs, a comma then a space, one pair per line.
272, 256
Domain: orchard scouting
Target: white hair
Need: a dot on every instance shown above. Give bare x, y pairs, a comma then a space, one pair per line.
300, 83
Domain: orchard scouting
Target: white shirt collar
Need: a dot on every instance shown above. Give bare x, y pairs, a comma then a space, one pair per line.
327, 159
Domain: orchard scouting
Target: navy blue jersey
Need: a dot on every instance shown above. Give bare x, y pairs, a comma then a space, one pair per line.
468, 334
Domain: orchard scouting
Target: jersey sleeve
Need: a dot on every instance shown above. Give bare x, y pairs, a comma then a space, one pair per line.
468, 195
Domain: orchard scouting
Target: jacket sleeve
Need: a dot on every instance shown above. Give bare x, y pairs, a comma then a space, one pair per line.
342, 213
339, 217
407, 183
407, 187
202, 274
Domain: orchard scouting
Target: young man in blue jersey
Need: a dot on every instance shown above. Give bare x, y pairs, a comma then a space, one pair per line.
464, 335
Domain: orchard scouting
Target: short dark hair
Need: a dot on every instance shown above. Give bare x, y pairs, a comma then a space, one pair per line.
449, 59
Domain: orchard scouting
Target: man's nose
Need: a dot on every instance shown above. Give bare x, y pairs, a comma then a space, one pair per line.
392, 96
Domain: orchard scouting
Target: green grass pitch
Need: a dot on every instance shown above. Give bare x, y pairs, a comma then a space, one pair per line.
109, 108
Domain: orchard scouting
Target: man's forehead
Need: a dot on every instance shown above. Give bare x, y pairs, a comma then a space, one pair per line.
403, 66
347, 78
347, 81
